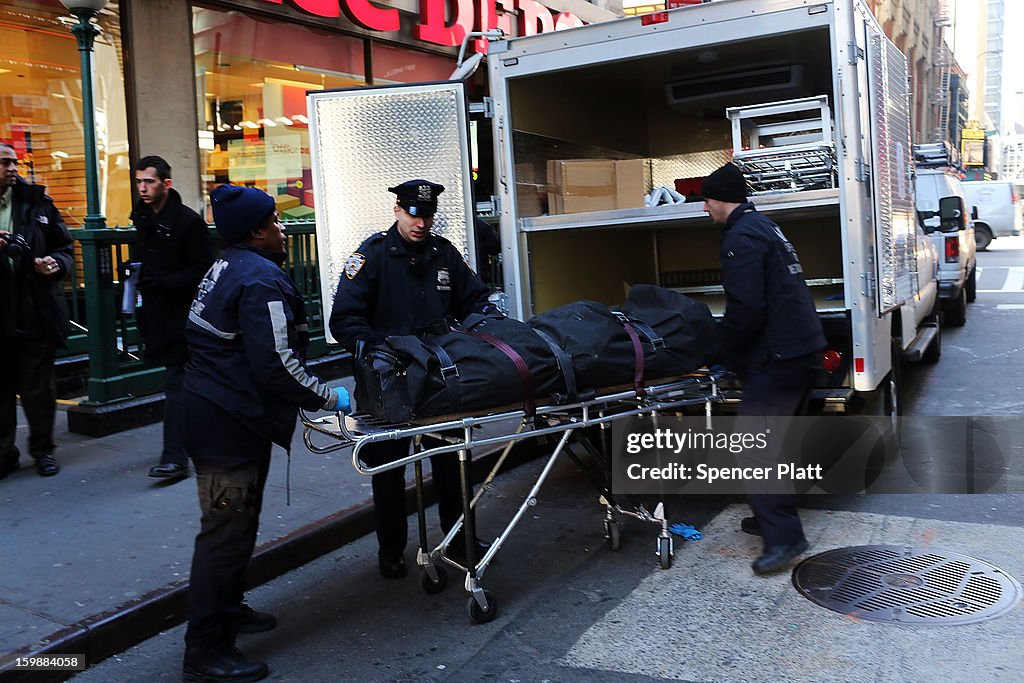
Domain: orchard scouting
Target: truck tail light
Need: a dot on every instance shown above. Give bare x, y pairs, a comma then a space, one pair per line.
831, 359
653, 18
952, 249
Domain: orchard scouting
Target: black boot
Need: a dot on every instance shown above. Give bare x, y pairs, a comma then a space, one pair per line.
206, 664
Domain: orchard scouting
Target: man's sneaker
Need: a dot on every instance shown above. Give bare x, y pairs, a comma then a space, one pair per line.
779, 557
391, 569
46, 466
168, 470
205, 664
751, 526
252, 621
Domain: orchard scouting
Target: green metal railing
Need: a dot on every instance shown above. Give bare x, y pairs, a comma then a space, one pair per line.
110, 337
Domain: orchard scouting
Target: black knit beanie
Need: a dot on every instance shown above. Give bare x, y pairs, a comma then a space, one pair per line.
237, 210
726, 185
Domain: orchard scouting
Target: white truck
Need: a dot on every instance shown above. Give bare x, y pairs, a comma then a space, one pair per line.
947, 217
815, 86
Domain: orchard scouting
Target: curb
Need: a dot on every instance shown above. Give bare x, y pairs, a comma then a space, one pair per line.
108, 633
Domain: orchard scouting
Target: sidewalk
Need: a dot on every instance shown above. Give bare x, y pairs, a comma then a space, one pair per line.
98, 556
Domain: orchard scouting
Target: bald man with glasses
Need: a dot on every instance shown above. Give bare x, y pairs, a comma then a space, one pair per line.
36, 252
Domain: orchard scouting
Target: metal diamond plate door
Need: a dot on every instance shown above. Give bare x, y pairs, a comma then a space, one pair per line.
365, 140
893, 187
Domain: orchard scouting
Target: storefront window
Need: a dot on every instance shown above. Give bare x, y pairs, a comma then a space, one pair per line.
41, 105
252, 76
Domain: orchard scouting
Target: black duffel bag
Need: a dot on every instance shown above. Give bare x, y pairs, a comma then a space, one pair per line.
657, 333
484, 363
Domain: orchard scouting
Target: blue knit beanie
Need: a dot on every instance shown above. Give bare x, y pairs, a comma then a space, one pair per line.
237, 210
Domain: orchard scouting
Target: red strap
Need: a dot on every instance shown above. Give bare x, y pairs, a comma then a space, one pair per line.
638, 364
529, 407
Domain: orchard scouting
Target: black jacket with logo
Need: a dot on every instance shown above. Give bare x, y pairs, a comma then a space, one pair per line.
175, 250
391, 287
34, 305
769, 311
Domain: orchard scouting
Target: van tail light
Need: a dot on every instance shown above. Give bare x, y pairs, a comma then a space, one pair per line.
831, 359
952, 249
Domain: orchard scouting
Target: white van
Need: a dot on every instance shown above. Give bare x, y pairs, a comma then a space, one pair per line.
947, 217
999, 213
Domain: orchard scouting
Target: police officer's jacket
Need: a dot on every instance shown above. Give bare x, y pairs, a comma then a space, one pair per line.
769, 311
247, 334
391, 287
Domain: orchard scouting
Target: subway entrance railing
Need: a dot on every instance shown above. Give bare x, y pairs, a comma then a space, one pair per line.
109, 337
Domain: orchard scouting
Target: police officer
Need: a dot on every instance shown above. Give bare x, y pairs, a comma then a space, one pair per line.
403, 281
770, 336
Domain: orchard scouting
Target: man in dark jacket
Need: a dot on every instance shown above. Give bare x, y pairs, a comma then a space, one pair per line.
36, 253
403, 281
771, 336
174, 250
244, 383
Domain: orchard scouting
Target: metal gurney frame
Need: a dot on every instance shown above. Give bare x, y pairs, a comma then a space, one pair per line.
548, 419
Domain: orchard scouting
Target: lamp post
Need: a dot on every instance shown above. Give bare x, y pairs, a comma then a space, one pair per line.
85, 33
97, 256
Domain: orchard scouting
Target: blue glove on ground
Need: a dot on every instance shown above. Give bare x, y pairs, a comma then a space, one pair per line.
717, 369
344, 404
688, 532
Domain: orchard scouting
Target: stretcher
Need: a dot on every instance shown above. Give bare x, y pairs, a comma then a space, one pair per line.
566, 424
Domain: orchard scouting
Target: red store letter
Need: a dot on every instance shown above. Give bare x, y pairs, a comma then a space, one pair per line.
433, 27
535, 18
370, 16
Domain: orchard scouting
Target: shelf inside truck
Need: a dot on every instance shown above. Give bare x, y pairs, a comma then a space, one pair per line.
828, 295
807, 204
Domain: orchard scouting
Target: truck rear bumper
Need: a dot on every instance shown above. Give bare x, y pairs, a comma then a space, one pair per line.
949, 290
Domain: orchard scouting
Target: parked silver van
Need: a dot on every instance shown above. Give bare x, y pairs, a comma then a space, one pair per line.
999, 212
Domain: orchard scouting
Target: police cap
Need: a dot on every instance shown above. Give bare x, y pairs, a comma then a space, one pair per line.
418, 197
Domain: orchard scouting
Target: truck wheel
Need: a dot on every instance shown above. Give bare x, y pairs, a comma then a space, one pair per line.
955, 312
971, 286
887, 400
982, 236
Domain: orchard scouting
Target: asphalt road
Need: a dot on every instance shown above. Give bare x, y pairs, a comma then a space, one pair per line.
570, 609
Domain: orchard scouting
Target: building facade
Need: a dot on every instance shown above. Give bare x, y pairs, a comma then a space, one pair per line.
217, 87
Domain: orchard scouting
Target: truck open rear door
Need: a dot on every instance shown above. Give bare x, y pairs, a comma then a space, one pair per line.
364, 140
891, 168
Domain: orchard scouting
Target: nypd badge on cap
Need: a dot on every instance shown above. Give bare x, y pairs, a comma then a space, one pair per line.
418, 197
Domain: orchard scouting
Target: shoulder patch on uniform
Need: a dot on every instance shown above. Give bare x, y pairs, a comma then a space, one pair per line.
354, 264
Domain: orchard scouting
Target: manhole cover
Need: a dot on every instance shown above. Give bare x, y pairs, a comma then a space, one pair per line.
906, 585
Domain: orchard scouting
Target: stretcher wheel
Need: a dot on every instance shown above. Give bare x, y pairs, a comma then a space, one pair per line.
432, 587
611, 532
480, 615
665, 552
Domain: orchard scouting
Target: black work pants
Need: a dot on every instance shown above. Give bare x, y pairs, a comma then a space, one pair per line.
28, 372
173, 451
389, 493
230, 503
777, 388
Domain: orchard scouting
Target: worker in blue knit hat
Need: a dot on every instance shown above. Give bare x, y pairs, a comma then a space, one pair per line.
244, 384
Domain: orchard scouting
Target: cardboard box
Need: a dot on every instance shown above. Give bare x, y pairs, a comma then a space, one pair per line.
579, 185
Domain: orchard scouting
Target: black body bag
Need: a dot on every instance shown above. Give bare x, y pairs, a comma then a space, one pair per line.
484, 363
657, 333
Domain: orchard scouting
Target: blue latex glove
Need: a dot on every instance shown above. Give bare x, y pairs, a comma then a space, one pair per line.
717, 369
688, 532
344, 404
